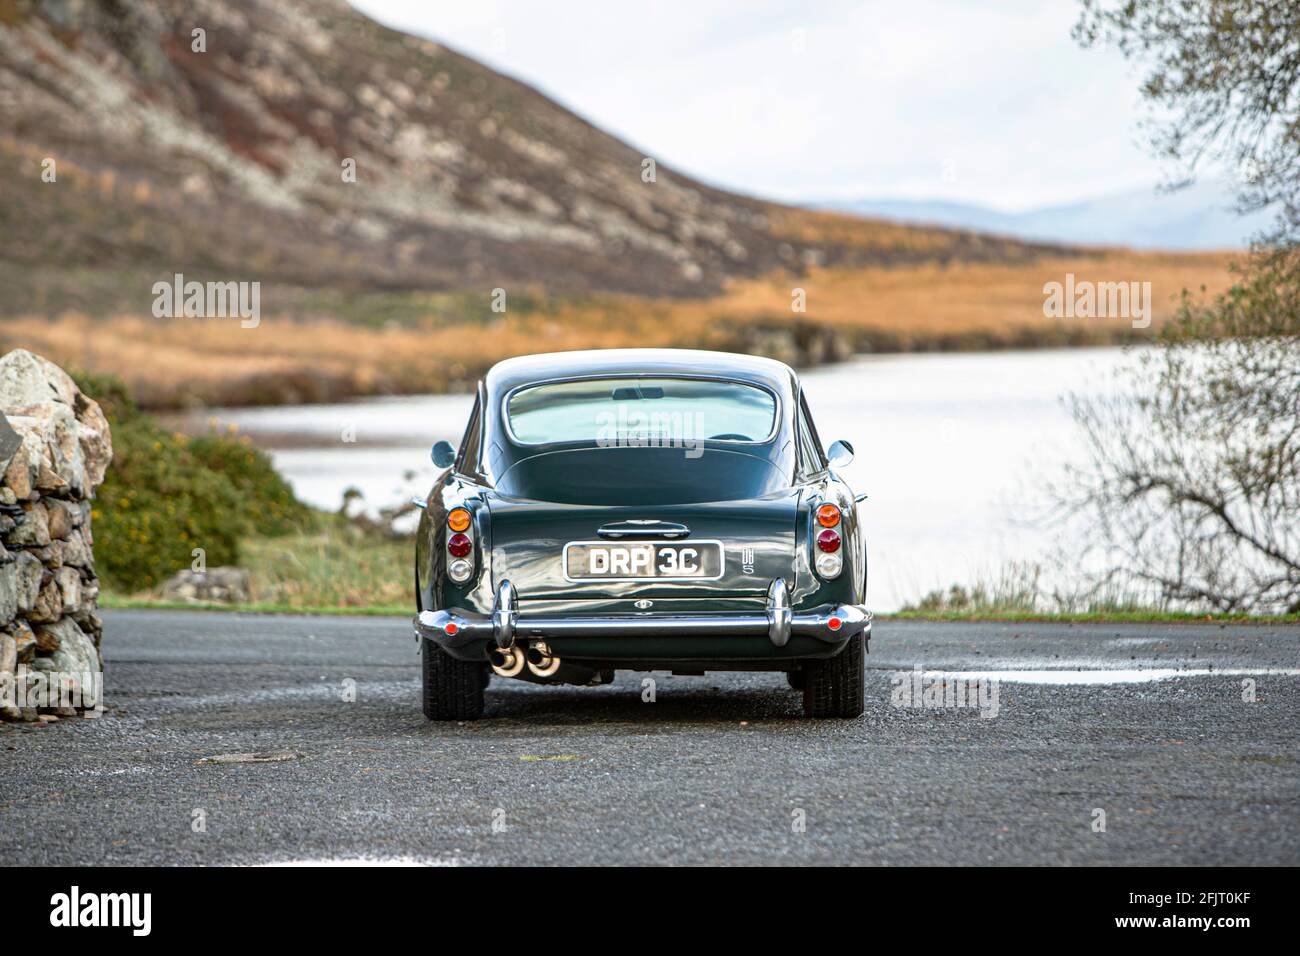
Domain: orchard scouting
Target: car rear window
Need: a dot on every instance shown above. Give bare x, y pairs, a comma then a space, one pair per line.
633, 411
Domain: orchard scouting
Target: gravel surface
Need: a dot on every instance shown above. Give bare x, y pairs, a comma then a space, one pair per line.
718, 769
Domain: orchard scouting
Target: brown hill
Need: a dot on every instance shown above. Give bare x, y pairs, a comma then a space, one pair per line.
227, 164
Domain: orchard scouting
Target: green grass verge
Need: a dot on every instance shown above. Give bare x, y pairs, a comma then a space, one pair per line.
376, 610
1015, 593
336, 570
336, 567
1094, 617
117, 601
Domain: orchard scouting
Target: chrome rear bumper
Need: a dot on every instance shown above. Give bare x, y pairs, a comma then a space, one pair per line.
456, 628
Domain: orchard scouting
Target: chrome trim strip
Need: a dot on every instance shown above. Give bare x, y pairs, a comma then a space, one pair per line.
508, 428
643, 528
472, 626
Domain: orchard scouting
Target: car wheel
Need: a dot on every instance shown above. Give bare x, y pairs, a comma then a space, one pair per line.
795, 679
837, 687
453, 690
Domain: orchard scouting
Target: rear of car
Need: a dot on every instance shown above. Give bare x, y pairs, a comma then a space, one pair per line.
639, 510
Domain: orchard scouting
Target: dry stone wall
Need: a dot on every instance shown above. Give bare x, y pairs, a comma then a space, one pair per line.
55, 446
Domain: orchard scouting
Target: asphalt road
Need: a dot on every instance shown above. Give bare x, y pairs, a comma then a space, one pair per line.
718, 769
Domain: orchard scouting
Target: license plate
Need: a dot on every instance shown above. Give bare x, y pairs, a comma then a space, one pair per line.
643, 560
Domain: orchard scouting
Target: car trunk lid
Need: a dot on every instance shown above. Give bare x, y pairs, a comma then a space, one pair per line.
755, 543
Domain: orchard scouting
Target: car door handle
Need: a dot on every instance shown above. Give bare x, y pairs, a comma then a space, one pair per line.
644, 528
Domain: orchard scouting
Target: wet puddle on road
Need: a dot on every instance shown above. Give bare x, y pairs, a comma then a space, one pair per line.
1108, 675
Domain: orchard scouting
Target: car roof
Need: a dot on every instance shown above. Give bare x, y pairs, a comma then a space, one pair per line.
530, 369
500, 449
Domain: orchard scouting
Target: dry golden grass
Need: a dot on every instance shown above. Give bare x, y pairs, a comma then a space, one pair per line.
920, 302
894, 241
187, 361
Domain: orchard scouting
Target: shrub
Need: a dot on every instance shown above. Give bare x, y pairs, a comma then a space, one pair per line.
166, 495
266, 499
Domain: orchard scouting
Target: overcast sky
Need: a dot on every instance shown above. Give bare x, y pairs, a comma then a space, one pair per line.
990, 103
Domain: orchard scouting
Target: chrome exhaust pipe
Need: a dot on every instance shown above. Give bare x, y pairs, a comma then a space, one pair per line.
541, 661
509, 662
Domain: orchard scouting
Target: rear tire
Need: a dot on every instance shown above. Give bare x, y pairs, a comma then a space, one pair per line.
795, 679
453, 690
837, 687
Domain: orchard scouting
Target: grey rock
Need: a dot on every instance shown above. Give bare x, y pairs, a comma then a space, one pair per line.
8, 655
35, 528
27, 379
226, 585
8, 591
23, 468
54, 454
29, 573
8, 664
76, 652
64, 517
24, 639
91, 624
47, 639
75, 441
10, 442
74, 551
89, 594
49, 604
51, 555
73, 668
69, 584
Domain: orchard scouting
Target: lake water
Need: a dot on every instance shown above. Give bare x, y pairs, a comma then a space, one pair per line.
952, 449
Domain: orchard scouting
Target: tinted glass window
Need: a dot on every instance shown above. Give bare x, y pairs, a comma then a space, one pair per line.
469, 445
652, 412
811, 458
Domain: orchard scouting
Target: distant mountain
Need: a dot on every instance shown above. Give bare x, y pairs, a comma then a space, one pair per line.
214, 138
1198, 217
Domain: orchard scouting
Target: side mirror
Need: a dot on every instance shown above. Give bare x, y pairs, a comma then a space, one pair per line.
443, 454
839, 454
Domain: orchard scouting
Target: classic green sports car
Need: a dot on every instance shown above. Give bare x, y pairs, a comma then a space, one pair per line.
642, 510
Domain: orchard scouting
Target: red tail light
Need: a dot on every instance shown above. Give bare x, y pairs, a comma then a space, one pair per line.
459, 545
834, 623
829, 540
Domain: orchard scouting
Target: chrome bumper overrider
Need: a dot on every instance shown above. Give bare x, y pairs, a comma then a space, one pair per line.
505, 625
